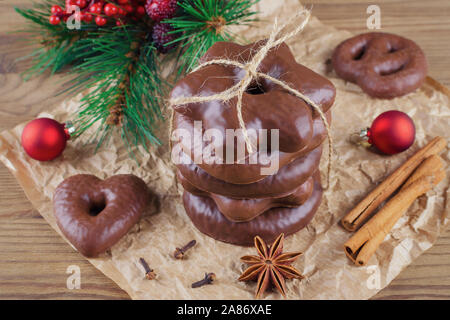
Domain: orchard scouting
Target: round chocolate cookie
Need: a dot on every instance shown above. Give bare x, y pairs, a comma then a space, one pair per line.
281, 184
241, 210
384, 65
207, 218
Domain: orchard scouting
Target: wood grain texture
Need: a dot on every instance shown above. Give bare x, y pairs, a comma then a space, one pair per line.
34, 259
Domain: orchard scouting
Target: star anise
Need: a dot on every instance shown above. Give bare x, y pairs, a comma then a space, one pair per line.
271, 265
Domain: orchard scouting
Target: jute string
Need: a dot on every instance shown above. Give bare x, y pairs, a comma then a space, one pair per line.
277, 37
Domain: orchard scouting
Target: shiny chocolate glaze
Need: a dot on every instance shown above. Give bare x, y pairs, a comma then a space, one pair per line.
245, 173
206, 217
240, 210
288, 178
384, 65
265, 105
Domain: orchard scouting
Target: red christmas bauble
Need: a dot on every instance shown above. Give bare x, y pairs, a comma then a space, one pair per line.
392, 132
44, 139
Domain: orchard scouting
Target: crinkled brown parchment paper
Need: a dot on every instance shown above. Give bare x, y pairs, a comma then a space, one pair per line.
329, 274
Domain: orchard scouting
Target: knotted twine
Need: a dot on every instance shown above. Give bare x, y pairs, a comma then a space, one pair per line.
277, 37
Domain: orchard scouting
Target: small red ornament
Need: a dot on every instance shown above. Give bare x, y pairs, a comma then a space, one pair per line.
96, 9
44, 139
110, 9
391, 132
81, 3
87, 17
56, 10
100, 21
54, 20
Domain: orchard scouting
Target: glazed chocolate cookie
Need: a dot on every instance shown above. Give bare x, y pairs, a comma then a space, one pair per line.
94, 214
206, 217
241, 210
242, 173
282, 184
265, 106
384, 65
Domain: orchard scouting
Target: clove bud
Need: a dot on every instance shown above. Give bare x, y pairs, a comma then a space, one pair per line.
149, 273
209, 278
179, 252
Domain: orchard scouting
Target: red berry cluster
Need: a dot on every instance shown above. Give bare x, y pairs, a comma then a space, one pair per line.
120, 11
159, 10
100, 11
161, 37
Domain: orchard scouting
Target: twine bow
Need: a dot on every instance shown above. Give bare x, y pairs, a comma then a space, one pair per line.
277, 37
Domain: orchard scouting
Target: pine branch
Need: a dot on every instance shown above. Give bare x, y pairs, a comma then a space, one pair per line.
205, 22
117, 68
120, 69
56, 44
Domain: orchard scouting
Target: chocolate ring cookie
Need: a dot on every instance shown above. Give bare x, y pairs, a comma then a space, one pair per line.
265, 106
94, 214
241, 210
243, 173
281, 184
207, 218
384, 65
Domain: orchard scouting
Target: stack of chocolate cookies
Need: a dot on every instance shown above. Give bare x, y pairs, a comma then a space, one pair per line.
233, 201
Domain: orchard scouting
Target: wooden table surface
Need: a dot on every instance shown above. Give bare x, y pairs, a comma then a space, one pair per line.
34, 259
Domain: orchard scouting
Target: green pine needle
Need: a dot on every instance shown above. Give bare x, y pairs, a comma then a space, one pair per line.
125, 91
205, 22
119, 67
56, 43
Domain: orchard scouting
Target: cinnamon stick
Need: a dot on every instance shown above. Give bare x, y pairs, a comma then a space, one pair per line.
358, 215
363, 244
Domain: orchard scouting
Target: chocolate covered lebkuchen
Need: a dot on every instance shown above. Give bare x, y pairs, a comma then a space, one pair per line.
236, 201
208, 219
384, 65
283, 183
94, 214
240, 210
265, 106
